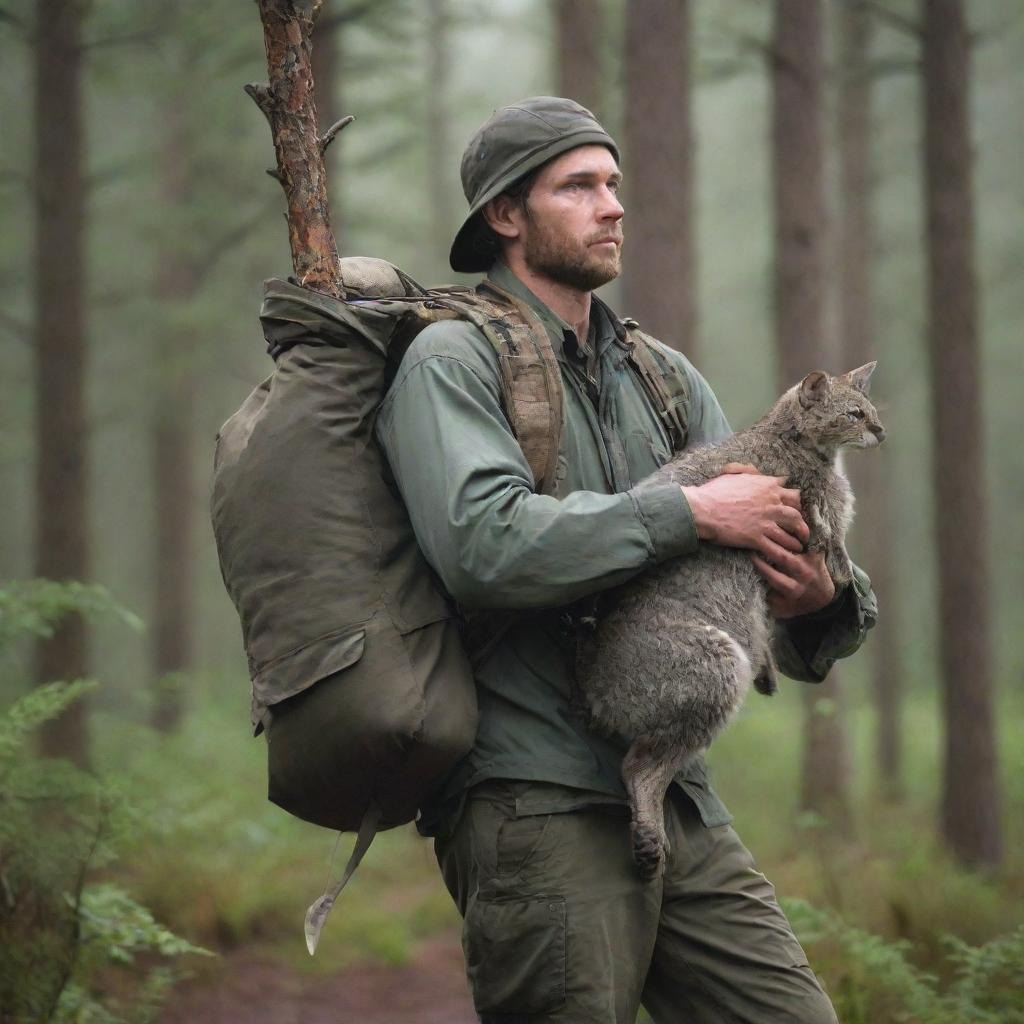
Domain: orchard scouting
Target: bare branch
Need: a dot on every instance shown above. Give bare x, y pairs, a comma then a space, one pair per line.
328, 136
893, 66
346, 17
220, 247
263, 99
288, 105
11, 18
16, 327
145, 37
892, 18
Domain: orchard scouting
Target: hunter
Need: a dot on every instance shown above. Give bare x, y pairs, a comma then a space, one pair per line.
531, 830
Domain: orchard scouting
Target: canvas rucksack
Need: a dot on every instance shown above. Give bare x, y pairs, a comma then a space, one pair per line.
360, 679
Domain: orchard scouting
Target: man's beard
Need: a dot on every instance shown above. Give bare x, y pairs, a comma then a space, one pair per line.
570, 261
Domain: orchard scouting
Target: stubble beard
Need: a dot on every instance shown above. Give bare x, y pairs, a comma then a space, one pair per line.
570, 261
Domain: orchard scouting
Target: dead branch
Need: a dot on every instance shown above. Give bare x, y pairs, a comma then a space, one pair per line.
893, 19
289, 107
328, 136
16, 327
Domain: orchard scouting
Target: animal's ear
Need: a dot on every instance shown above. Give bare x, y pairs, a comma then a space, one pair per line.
814, 387
861, 377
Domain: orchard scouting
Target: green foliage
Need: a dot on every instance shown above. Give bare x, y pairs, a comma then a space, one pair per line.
875, 980
34, 607
62, 935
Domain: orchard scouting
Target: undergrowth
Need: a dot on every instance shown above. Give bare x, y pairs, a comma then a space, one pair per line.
67, 933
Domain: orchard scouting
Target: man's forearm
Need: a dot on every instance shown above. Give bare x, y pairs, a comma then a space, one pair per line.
494, 542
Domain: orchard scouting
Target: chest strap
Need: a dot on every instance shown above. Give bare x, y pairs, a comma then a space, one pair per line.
666, 384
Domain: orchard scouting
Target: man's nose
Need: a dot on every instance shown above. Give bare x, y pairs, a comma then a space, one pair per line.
611, 208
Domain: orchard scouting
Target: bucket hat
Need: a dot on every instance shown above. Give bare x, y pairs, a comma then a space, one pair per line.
511, 143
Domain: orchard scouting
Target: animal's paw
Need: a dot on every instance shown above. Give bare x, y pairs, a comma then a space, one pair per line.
650, 849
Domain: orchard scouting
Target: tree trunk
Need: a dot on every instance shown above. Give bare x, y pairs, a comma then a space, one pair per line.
62, 531
659, 286
800, 297
970, 801
578, 67
289, 107
439, 148
871, 483
327, 62
173, 619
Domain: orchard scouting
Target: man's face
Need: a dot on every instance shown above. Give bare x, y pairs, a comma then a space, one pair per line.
571, 228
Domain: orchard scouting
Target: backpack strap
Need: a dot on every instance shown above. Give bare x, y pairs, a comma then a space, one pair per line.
530, 378
663, 379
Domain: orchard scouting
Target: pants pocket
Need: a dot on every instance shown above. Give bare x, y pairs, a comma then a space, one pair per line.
518, 842
515, 954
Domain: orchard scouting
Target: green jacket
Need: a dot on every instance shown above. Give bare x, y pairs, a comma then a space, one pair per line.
496, 544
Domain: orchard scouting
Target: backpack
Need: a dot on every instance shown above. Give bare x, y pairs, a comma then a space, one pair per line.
360, 678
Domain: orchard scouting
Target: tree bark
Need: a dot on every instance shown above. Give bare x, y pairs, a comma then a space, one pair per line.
289, 106
578, 57
327, 62
800, 297
174, 491
659, 287
62, 531
970, 801
871, 483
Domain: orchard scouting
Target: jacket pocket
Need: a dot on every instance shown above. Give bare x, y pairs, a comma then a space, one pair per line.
515, 954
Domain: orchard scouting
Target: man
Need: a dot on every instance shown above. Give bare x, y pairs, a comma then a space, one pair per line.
532, 832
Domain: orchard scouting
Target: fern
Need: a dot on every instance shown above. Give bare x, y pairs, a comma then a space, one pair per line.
878, 982
34, 607
32, 710
57, 824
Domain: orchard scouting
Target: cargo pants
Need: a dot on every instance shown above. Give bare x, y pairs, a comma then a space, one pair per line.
559, 927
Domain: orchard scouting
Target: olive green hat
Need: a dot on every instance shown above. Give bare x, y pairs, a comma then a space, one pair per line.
512, 142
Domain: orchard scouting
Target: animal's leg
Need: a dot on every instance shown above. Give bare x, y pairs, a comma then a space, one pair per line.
837, 561
766, 681
647, 777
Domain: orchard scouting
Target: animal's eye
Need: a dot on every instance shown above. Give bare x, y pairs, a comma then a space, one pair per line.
855, 414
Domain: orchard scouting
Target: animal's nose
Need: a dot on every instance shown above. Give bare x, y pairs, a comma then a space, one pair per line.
878, 431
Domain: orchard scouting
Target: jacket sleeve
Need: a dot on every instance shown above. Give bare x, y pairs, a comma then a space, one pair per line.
468, 489
808, 646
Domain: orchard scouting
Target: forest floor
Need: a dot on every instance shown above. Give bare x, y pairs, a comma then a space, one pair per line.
247, 987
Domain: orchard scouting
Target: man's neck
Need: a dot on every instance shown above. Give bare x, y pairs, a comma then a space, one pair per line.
572, 305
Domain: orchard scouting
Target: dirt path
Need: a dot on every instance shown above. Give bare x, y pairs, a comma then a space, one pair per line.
247, 988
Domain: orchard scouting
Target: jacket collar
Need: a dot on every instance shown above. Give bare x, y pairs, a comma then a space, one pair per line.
563, 337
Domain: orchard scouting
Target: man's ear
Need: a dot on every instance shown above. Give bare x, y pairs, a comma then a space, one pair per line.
814, 387
502, 215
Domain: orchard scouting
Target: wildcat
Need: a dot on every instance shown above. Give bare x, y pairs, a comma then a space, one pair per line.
669, 656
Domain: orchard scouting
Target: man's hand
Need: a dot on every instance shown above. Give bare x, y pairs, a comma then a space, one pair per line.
743, 508
797, 584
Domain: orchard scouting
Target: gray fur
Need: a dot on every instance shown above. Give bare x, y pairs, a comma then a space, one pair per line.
671, 655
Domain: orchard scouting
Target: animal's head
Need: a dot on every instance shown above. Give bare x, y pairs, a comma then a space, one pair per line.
834, 412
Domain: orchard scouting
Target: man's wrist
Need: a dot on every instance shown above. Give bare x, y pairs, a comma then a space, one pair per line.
666, 514
698, 510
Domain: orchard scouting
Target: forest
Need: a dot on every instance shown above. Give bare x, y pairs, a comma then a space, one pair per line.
808, 184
